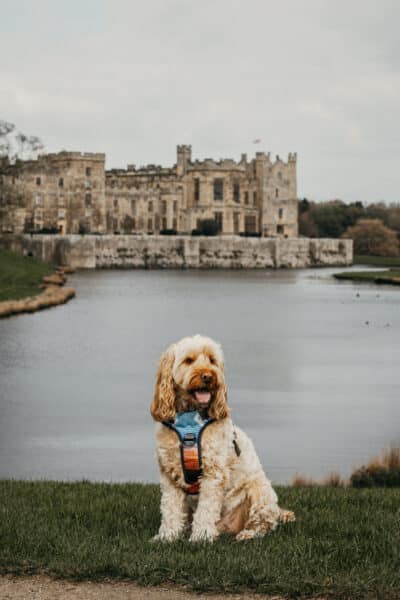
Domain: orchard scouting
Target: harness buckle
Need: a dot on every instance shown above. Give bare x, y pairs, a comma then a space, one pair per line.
189, 439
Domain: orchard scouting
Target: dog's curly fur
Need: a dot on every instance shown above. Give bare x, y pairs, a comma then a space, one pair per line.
235, 495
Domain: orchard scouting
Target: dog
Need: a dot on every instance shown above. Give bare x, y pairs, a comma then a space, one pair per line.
232, 493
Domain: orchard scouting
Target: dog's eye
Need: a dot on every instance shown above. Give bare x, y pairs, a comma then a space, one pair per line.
212, 360
188, 360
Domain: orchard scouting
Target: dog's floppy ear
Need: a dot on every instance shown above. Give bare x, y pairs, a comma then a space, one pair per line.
163, 404
219, 408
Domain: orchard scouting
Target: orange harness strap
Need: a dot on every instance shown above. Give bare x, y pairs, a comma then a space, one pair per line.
191, 468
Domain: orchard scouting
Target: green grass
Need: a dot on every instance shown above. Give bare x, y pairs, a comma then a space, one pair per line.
377, 261
20, 275
344, 544
388, 276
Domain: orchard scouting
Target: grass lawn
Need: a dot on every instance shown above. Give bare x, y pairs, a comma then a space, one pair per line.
20, 275
345, 543
377, 261
388, 276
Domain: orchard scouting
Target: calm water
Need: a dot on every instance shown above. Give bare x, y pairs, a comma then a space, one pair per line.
315, 386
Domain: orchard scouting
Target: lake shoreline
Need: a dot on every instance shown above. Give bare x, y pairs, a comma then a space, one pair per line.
21, 279
389, 276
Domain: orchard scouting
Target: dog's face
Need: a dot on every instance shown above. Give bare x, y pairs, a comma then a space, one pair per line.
190, 377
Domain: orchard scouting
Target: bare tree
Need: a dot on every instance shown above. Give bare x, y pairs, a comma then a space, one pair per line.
15, 145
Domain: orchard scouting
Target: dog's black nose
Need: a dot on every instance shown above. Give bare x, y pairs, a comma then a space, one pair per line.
206, 377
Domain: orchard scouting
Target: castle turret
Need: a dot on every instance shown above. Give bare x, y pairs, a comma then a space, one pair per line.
184, 156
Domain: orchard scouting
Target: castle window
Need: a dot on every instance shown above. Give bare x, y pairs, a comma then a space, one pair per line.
112, 182
38, 181
197, 189
174, 223
279, 175
164, 223
276, 192
88, 171
133, 206
175, 206
280, 229
219, 220
236, 192
280, 213
61, 213
150, 224
115, 202
236, 217
255, 198
218, 189
61, 182
164, 207
133, 223
88, 199
38, 199
150, 206
246, 197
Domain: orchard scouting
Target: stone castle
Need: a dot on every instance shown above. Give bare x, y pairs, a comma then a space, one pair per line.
72, 192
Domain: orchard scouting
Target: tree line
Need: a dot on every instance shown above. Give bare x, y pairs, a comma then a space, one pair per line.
375, 228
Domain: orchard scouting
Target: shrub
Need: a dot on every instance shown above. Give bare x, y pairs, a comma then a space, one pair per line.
168, 232
372, 237
383, 471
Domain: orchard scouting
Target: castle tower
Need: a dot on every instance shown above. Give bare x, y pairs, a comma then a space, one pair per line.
184, 156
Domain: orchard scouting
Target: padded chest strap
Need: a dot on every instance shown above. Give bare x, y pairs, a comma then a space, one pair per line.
191, 462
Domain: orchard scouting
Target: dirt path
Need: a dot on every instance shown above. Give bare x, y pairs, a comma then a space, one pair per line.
40, 587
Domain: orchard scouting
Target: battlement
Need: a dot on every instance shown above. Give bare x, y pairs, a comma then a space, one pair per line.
222, 164
132, 171
64, 155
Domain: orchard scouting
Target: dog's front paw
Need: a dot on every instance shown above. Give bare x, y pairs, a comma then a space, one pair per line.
204, 534
166, 536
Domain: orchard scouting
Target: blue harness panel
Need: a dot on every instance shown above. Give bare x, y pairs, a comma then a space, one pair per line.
190, 422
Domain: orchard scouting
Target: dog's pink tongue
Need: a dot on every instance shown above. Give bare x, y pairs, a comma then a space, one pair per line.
202, 397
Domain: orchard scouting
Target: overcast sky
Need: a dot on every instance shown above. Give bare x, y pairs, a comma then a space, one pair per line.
135, 78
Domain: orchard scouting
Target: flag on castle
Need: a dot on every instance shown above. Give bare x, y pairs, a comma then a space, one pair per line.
257, 141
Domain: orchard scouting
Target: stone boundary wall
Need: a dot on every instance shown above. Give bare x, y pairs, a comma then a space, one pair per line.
180, 252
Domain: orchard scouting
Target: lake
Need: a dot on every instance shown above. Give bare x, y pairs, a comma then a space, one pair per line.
312, 368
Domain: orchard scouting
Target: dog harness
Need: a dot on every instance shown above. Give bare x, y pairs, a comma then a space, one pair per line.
189, 427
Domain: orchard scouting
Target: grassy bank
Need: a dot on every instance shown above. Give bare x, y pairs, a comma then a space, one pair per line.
345, 543
390, 276
20, 275
377, 261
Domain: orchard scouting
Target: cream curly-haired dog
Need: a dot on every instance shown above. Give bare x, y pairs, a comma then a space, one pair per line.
233, 494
